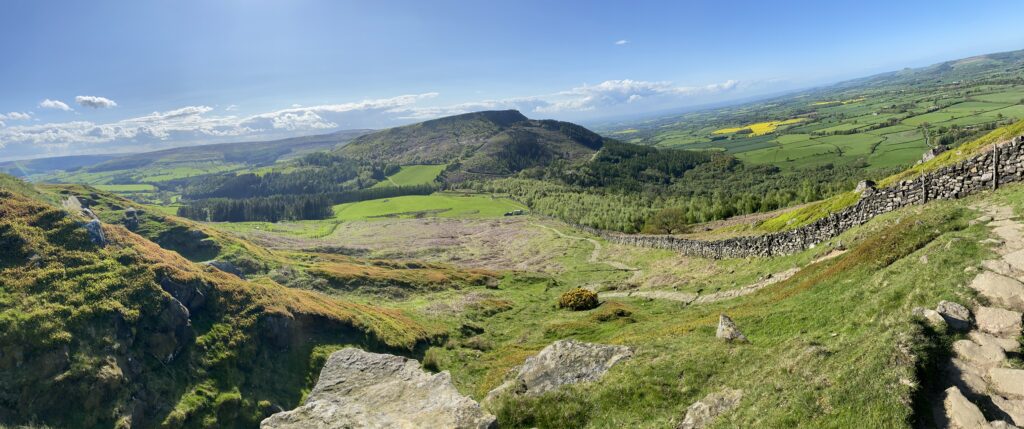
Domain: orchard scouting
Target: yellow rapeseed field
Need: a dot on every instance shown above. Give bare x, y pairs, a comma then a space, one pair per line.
760, 128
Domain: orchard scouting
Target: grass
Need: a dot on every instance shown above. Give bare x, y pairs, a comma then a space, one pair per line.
411, 175
824, 349
434, 205
135, 187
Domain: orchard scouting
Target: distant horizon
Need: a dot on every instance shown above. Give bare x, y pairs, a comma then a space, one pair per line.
249, 71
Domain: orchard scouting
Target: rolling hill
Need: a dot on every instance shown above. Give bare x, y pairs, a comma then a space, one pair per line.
491, 143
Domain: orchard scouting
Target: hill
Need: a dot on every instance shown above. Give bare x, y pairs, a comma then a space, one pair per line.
495, 143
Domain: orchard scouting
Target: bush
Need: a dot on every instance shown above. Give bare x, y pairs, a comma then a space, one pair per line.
431, 360
578, 299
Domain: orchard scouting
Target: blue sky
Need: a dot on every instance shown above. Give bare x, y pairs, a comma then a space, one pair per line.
131, 75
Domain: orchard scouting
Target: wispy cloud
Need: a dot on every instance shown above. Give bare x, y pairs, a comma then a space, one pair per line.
621, 42
204, 124
54, 104
95, 102
15, 116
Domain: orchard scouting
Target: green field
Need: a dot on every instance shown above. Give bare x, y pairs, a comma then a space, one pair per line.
135, 187
411, 175
435, 205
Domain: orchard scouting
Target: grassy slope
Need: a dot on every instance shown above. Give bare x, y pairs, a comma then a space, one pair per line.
825, 343
226, 377
411, 175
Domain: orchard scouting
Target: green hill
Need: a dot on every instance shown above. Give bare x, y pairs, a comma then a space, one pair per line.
494, 143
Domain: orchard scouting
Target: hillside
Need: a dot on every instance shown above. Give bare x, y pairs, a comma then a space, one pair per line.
102, 327
495, 143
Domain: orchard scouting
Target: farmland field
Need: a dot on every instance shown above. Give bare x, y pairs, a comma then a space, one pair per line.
435, 205
412, 175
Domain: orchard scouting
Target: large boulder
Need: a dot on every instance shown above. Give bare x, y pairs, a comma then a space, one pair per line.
358, 389
562, 363
704, 411
95, 230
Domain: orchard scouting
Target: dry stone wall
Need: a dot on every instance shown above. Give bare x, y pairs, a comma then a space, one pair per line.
1001, 163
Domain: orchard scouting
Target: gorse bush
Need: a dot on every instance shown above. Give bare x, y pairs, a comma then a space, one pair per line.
578, 299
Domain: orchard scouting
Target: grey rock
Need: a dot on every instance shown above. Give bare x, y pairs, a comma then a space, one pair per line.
998, 321
95, 230
727, 330
956, 316
562, 363
931, 316
226, 267
703, 412
358, 389
1001, 290
1007, 382
981, 355
962, 413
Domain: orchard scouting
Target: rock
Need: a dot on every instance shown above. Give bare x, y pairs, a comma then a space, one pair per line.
984, 219
966, 376
930, 154
277, 329
1015, 260
727, 330
931, 316
865, 185
226, 267
191, 296
174, 331
984, 356
1013, 408
1001, 290
1007, 382
998, 321
998, 266
957, 316
704, 411
962, 414
95, 230
562, 363
999, 424
1009, 345
358, 389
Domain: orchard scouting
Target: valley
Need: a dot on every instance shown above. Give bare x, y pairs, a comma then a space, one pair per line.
489, 269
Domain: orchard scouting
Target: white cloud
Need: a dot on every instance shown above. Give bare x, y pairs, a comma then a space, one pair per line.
203, 124
54, 104
15, 116
95, 102
621, 42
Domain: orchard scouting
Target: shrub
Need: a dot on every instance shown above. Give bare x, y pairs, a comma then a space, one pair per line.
578, 299
431, 360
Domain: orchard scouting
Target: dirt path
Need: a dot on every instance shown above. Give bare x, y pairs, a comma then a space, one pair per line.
595, 255
979, 386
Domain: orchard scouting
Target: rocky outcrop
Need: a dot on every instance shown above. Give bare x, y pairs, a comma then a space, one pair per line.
226, 267
95, 230
1001, 164
358, 389
703, 412
728, 331
564, 362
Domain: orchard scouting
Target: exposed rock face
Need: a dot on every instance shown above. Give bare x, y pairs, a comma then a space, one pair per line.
561, 363
95, 230
727, 330
930, 154
358, 389
704, 411
865, 185
1007, 382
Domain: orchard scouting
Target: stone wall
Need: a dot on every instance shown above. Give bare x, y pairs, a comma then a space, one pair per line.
1001, 163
